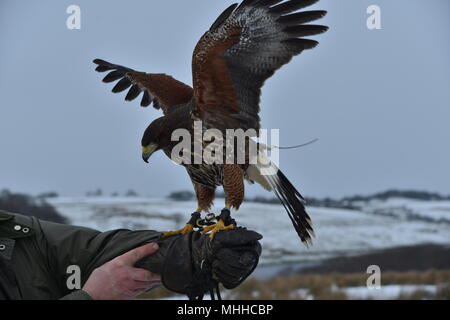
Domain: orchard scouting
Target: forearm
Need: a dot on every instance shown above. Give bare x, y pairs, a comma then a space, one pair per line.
88, 249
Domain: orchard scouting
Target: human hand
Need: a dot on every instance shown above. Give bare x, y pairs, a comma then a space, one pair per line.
118, 279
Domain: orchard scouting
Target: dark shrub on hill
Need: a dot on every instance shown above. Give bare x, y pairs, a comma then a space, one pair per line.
30, 206
182, 196
409, 194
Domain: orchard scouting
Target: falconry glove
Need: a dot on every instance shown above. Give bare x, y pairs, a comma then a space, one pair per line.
195, 265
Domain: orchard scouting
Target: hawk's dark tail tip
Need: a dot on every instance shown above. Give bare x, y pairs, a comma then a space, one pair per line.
293, 202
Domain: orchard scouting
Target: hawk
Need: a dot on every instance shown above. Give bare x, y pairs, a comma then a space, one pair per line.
243, 48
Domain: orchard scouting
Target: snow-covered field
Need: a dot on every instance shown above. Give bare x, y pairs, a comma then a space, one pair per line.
378, 225
409, 209
388, 292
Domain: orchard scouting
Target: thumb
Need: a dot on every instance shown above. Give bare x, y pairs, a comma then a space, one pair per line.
133, 256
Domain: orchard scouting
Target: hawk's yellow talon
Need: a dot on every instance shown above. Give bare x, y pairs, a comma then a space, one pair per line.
219, 226
186, 229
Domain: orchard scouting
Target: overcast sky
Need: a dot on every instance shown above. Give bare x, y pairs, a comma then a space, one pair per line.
379, 101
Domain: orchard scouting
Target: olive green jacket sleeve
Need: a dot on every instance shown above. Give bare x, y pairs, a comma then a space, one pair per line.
87, 248
41, 256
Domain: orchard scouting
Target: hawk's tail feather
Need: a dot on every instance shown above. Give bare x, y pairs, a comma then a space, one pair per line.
271, 178
293, 202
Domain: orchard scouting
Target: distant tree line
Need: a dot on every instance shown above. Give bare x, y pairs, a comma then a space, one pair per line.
30, 206
393, 193
99, 193
344, 203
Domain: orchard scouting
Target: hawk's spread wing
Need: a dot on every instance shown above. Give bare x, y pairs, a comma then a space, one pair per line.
160, 89
243, 48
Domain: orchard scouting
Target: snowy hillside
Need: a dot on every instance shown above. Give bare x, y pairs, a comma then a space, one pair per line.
409, 209
378, 225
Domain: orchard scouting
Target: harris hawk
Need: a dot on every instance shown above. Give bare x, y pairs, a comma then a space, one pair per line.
243, 48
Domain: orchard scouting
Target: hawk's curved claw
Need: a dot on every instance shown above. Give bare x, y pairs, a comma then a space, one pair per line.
219, 226
186, 229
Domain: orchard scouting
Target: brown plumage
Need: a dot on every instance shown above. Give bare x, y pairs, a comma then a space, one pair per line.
233, 185
167, 90
212, 80
231, 62
205, 196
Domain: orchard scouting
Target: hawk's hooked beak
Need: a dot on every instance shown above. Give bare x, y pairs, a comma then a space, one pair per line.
148, 151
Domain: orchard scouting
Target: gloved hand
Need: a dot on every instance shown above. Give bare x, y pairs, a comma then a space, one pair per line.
192, 264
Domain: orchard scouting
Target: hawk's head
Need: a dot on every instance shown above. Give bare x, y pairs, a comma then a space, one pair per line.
155, 138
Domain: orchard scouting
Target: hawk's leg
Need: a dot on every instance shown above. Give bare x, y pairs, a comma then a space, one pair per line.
233, 185
205, 197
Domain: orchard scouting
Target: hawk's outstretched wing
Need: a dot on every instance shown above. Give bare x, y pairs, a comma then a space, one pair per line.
160, 89
243, 48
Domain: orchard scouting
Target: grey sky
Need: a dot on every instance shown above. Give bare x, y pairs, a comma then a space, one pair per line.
377, 100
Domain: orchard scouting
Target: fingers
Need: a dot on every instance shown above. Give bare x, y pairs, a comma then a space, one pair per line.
131, 257
143, 275
119, 279
145, 285
139, 287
